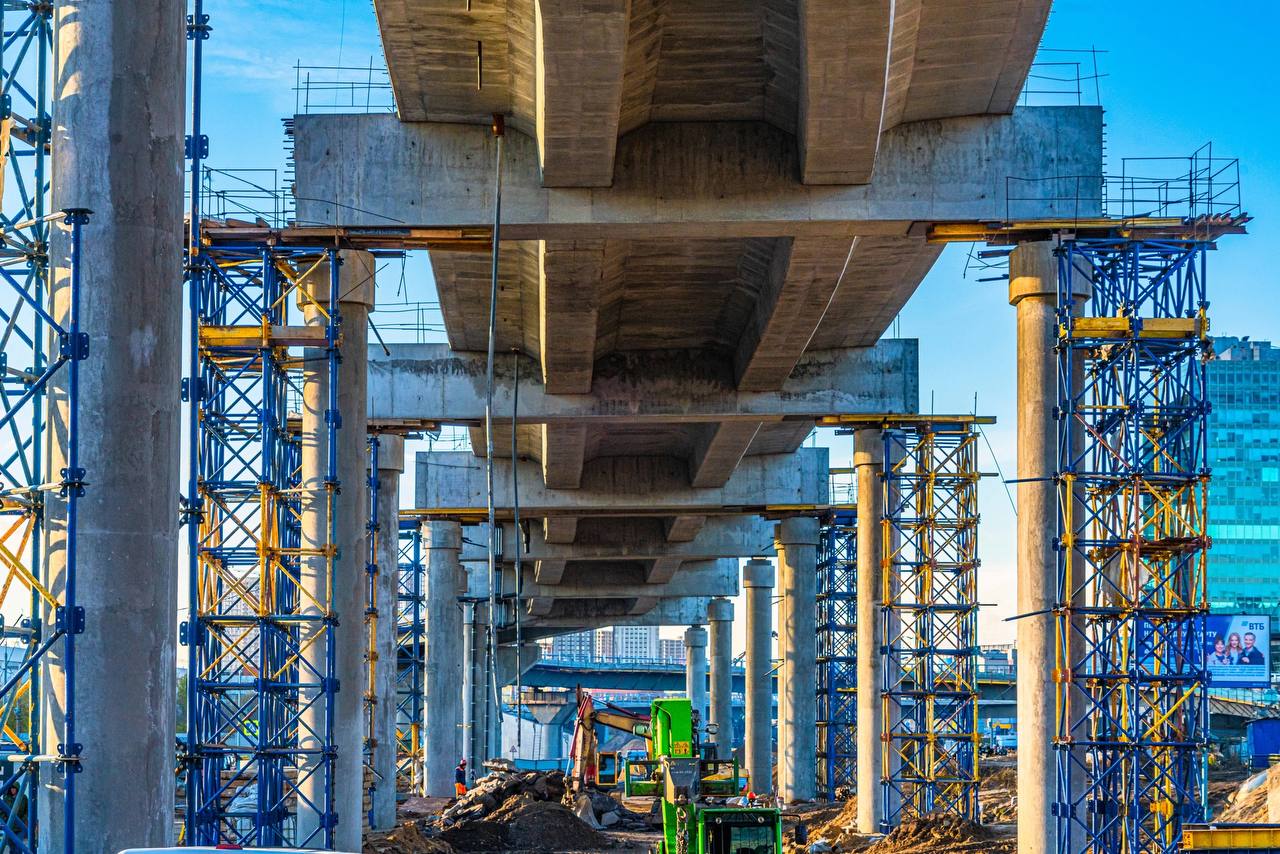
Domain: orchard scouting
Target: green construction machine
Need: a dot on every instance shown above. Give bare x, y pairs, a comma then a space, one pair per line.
703, 811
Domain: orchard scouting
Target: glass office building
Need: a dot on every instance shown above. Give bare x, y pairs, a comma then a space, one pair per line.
1244, 499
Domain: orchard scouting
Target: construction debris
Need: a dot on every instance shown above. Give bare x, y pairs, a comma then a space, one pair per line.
514, 811
406, 839
936, 833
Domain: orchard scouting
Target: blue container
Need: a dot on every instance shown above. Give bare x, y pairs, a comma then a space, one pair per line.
1262, 742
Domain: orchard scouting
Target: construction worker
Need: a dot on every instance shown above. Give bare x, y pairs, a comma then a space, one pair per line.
460, 779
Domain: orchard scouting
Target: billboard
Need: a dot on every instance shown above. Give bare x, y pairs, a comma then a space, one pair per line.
1237, 651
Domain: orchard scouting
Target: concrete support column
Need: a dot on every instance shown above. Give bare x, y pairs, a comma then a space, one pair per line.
478, 699
355, 299
446, 644
117, 148
1033, 287
348, 595
758, 579
390, 466
552, 741
720, 621
868, 460
797, 545
695, 669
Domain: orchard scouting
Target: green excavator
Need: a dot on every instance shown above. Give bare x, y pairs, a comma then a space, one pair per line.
703, 810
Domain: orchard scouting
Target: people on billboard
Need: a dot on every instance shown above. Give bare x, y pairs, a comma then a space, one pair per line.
1251, 654
1219, 654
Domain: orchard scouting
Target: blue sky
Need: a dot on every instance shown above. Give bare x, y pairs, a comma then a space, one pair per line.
1177, 75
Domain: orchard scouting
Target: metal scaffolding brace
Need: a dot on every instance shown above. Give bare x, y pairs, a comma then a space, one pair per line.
259, 744
930, 620
1132, 483
42, 348
411, 635
372, 571
837, 662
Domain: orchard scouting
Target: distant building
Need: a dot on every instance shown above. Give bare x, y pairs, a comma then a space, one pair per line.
604, 640
635, 642
1244, 498
579, 645
671, 649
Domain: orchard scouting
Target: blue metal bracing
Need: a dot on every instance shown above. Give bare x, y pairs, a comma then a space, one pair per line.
837, 662
371, 616
929, 696
1132, 481
259, 749
410, 656
40, 355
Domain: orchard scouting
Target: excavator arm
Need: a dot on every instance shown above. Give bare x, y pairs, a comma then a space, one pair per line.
584, 754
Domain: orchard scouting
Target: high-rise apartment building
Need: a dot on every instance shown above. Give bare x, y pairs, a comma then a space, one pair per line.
1244, 497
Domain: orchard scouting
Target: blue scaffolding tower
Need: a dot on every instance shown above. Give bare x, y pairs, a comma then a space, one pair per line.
1132, 484
929, 695
410, 656
837, 661
42, 348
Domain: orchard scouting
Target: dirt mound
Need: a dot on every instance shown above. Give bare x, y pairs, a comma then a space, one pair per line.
998, 794
406, 839
841, 830
513, 811
1249, 803
934, 833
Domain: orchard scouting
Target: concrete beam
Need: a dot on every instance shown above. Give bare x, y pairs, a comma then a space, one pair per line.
453, 483
560, 529
666, 612
580, 49
844, 57
682, 529
717, 451
639, 539
802, 278
569, 281
564, 447
548, 571
610, 580
694, 179
432, 382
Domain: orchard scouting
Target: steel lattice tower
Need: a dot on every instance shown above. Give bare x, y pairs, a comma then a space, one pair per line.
1132, 479
929, 623
259, 746
837, 662
39, 381
410, 656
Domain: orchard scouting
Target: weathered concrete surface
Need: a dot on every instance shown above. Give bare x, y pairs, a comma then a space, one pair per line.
663, 612
117, 149
720, 644
443, 670
623, 486
695, 670
837, 74
868, 460
639, 539
797, 544
758, 579
1033, 291
688, 180
627, 579
433, 382
384, 664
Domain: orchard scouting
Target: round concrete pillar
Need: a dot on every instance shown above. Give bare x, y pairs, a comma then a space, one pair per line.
384, 663
720, 710
117, 131
695, 669
868, 460
758, 579
1033, 291
444, 672
797, 545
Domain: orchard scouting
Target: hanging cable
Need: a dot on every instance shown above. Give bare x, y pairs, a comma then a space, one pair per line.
515, 514
492, 636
